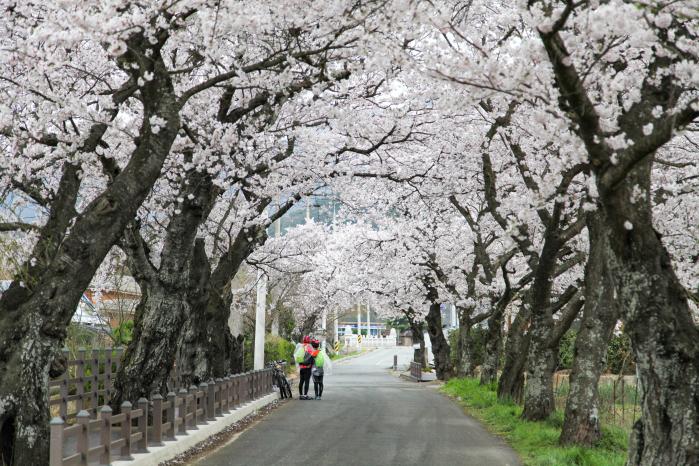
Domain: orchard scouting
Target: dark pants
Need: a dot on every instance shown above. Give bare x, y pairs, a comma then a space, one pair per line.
318, 385
305, 381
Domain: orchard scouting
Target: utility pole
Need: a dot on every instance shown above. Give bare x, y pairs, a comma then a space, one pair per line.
359, 320
259, 359
323, 322
368, 321
337, 327
275, 316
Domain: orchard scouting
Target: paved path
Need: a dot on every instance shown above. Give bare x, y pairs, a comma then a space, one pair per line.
367, 417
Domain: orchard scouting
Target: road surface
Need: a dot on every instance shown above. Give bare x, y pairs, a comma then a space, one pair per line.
367, 417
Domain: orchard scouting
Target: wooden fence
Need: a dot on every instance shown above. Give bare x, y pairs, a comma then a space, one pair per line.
416, 370
153, 421
86, 384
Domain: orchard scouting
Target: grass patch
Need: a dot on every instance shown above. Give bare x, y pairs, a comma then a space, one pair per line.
341, 356
536, 442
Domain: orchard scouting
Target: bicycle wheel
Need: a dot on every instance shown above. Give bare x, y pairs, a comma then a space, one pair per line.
279, 382
287, 388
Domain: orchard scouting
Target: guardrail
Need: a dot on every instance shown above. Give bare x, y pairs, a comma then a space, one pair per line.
117, 436
416, 370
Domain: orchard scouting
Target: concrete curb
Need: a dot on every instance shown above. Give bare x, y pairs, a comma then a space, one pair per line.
408, 377
171, 449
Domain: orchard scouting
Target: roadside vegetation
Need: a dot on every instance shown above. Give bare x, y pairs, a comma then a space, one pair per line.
535, 441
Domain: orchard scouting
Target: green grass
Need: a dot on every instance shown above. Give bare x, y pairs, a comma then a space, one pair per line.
535, 442
340, 356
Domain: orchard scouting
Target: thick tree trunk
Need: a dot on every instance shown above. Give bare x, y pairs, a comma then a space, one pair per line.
542, 359
658, 320
148, 361
511, 382
440, 345
24, 416
581, 425
419, 354
34, 315
208, 349
465, 365
493, 342
169, 294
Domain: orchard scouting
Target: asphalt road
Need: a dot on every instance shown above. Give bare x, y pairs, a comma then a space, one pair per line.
367, 417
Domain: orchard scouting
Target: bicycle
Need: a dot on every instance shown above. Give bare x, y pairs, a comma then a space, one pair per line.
279, 378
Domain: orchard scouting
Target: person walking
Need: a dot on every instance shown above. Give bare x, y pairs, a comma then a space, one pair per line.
304, 355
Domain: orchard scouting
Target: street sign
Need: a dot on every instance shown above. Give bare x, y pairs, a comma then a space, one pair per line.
359, 339
336, 346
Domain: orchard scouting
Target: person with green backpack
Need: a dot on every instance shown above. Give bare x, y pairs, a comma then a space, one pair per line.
321, 365
305, 357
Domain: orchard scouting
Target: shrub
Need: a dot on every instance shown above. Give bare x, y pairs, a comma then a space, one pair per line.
620, 355
276, 348
478, 336
566, 348
123, 334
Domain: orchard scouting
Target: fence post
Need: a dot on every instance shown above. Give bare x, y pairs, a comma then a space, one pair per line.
80, 385
183, 411
223, 397
235, 385
172, 401
143, 425
56, 444
126, 429
248, 386
106, 434
219, 389
193, 391
107, 374
157, 419
83, 418
229, 387
231, 392
210, 399
63, 409
95, 383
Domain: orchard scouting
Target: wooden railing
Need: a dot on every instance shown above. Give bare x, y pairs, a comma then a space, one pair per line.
117, 436
87, 382
416, 370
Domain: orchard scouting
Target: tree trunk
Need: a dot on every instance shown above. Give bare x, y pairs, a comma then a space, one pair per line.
208, 349
419, 354
169, 294
440, 345
581, 425
541, 363
34, 314
658, 320
511, 383
542, 359
493, 342
149, 357
465, 364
